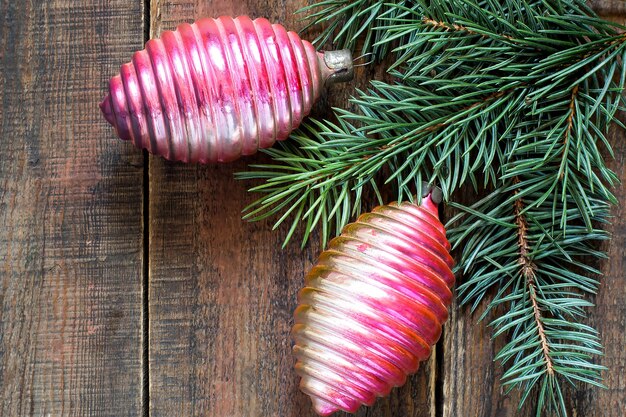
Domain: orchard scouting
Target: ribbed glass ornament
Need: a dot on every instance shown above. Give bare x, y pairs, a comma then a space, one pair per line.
373, 306
218, 89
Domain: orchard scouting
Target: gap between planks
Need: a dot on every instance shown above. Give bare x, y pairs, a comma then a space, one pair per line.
145, 400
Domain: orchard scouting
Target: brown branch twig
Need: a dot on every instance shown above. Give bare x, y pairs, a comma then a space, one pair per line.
528, 271
570, 124
453, 27
572, 112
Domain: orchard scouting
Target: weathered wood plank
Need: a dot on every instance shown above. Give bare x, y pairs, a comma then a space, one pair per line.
609, 314
221, 291
469, 377
70, 214
609, 7
221, 296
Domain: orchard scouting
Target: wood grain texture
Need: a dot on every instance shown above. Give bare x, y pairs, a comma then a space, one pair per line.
469, 377
70, 214
609, 7
222, 291
609, 313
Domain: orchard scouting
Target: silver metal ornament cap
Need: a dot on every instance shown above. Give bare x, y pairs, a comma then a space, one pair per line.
436, 194
340, 65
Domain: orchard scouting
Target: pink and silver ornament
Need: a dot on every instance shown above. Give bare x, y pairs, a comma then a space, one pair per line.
374, 305
218, 89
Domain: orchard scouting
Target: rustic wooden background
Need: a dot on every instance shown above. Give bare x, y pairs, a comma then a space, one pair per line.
129, 285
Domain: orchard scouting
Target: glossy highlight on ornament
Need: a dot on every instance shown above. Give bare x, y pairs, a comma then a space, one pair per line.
218, 89
373, 306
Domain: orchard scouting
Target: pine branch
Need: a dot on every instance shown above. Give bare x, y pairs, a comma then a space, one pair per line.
426, 126
306, 185
528, 268
343, 160
350, 24
515, 97
534, 273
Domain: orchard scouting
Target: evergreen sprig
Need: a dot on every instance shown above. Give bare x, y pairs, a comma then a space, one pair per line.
513, 98
350, 24
537, 271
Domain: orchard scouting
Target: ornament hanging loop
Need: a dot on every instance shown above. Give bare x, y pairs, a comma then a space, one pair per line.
364, 60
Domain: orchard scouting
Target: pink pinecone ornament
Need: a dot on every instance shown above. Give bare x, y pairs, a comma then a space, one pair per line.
373, 306
218, 89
